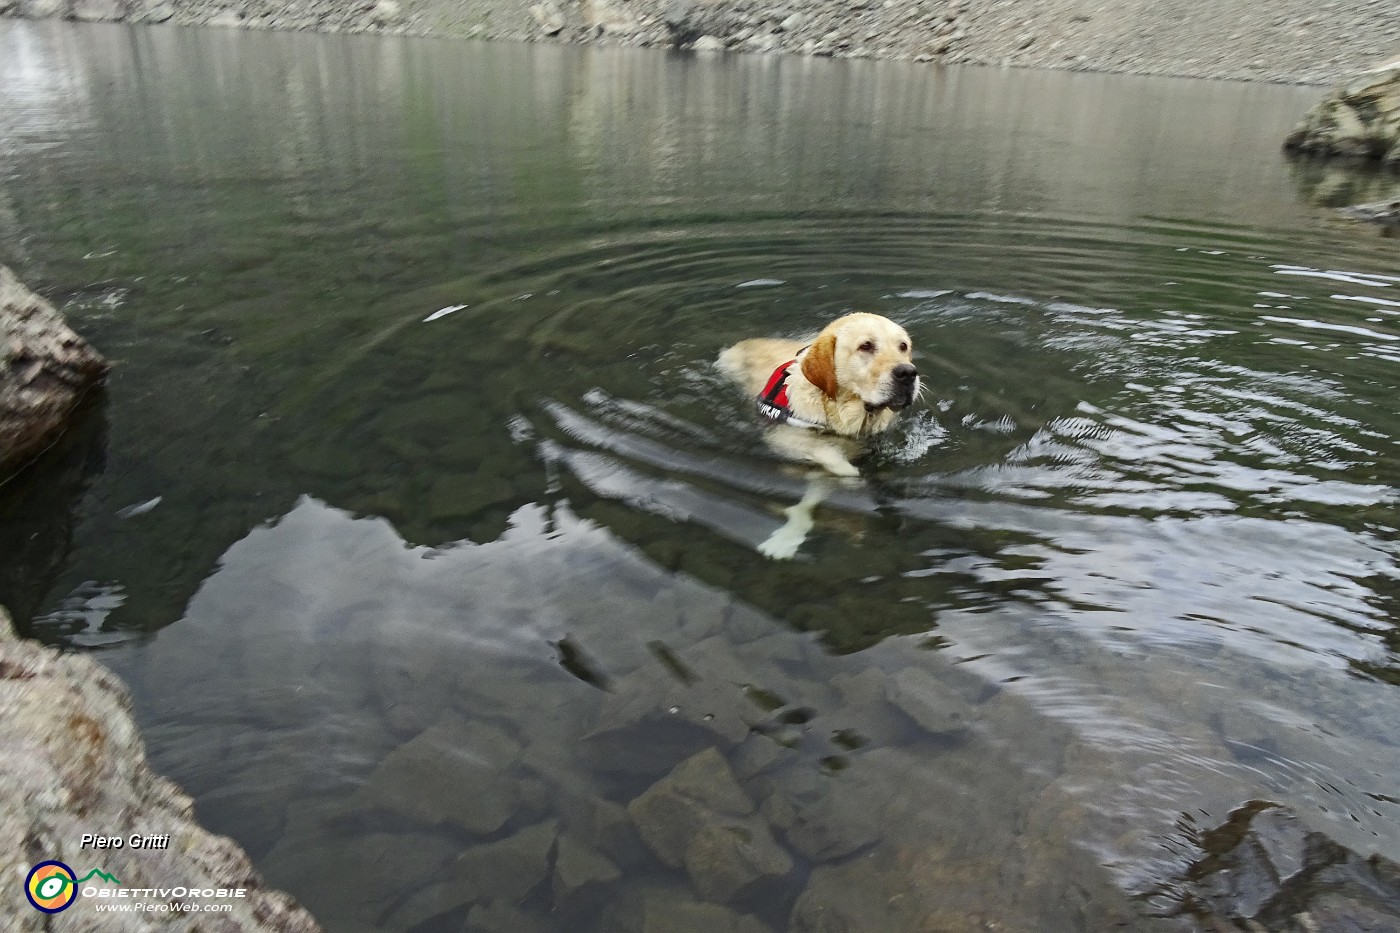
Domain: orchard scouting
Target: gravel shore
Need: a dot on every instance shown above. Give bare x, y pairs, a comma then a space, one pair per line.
1295, 41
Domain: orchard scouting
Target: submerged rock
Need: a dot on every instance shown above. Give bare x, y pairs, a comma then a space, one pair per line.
835, 824
682, 701
578, 866
671, 811
72, 762
455, 773
509, 869
699, 818
45, 369
928, 701
500, 873
1360, 119
606, 825
1264, 869
727, 857
667, 909
493, 917
853, 897
366, 874
926, 888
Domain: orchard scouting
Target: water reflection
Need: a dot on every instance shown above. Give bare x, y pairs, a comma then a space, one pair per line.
456, 618
40, 508
402, 707
1330, 183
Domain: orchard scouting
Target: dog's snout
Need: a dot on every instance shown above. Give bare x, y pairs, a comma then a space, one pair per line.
905, 372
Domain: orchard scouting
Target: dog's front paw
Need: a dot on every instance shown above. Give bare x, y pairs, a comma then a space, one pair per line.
783, 543
834, 463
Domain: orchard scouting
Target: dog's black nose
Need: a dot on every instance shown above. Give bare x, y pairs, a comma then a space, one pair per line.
904, 372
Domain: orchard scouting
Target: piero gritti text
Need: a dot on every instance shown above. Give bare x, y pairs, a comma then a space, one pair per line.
134, 841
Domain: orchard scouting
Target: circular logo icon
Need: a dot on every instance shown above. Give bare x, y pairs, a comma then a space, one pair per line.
51, 887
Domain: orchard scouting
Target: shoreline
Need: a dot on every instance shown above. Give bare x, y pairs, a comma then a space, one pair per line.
1290, 42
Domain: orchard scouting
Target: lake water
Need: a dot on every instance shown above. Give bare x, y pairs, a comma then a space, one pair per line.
454, 618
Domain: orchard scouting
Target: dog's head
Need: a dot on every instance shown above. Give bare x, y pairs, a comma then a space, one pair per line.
867, 356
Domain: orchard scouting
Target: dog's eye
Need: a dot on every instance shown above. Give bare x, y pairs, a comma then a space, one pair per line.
903, 347
868, 347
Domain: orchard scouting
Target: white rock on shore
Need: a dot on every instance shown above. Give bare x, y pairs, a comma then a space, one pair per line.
72, 762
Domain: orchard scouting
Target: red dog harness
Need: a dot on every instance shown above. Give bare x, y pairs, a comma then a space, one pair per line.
773, 401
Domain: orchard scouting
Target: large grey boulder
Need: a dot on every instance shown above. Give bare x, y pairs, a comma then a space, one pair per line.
497, 873
361, 877
454, 773
699, 818
662, 907
72, 762
45, 368
1360, 119
1280, 875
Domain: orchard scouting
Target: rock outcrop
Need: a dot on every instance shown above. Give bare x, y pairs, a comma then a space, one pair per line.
72, 763
1264, 869
1384, 213
1360, 119
45, 369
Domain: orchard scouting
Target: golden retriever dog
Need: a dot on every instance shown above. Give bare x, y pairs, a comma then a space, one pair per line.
824, 396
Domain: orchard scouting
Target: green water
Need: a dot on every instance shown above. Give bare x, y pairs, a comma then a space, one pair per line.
415, 608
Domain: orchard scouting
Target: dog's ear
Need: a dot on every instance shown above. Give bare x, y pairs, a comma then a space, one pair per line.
819, 365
